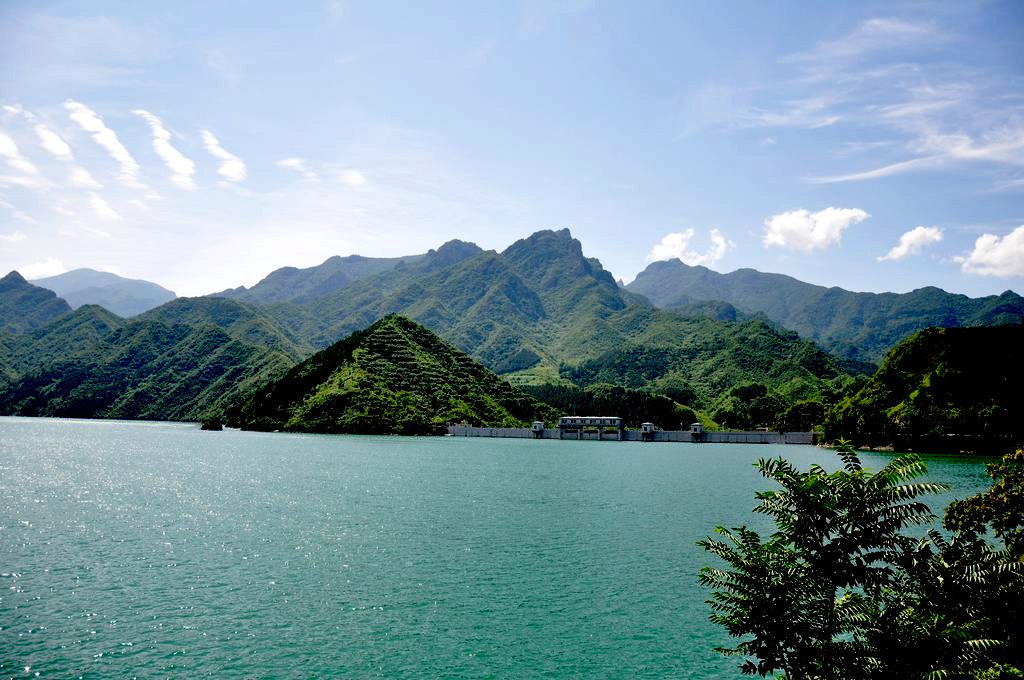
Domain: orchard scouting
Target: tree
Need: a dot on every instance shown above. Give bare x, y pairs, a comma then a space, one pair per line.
1001, 507
801, 594
840, 591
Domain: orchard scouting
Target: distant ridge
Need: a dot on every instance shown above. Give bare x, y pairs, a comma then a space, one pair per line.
860, 326
124, 297
291, 284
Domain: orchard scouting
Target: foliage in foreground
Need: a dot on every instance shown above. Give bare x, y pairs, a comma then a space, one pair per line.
840, 590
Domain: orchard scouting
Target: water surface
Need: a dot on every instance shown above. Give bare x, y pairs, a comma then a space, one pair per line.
156, 550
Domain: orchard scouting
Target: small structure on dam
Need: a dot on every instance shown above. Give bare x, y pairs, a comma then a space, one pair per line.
577, 424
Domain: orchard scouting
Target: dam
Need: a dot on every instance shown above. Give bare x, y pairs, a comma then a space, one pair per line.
610, 428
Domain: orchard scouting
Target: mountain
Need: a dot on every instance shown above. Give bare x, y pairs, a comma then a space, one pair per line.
124, 297
24, 306
290, 284
394, 377
539, 312
242, 321
742, 374
860, 326
144, 370
77, 334
514, 310
939, 383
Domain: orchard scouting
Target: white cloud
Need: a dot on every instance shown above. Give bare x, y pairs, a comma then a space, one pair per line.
36, 183
996, 255
299, 166
12, 156
352, 178
51, 266
884, 171
102, 208
80, 177
811, 113
913, 242
181, 167
13, 237
53, 143
231, 168
871, 35
807, 231
677, 246
89, 120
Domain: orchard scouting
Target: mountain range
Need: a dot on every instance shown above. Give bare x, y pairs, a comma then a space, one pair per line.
859, 326
538, 313
124, 297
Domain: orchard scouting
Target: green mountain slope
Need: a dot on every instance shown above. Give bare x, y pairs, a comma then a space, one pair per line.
24, 307
953, 381
701, 362
124, 297
860, 326
247, 323
146, 370
78, 334
513, 310
394, 377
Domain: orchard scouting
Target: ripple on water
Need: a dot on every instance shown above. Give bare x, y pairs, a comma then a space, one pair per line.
152, 546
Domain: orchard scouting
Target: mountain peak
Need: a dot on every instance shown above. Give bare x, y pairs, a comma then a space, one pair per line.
13, 277
452, 252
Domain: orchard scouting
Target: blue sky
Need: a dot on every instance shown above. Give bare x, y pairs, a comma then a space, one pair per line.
874, 146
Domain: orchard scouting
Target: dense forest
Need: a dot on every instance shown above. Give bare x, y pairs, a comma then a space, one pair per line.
944, 388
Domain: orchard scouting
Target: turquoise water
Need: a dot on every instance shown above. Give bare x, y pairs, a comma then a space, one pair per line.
155, 550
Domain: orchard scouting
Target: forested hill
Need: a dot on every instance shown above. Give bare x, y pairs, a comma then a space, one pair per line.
24, 307
394, 377
180, 364
939, 383
859, 326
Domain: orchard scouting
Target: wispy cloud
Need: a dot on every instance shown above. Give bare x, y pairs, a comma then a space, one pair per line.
13, 157
913, 242
182, 168
805, 113
231, 166
878, 33
90, 121
13, 237
55, 145
298, 165
995, 255
677, 246
102, 208
806, 231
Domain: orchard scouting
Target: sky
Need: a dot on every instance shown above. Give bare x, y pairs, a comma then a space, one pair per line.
873, 146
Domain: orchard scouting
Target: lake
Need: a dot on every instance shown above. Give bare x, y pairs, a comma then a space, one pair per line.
156, 549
